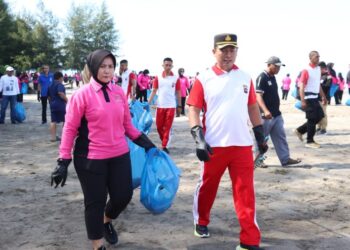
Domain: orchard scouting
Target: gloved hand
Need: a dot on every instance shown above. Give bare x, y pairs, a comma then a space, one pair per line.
144, 142
39, 99
202, 147
59, 175
260, 138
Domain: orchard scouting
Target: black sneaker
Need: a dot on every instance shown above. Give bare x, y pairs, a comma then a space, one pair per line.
166, 151
110, 234
102, 248
201, 231
248, 247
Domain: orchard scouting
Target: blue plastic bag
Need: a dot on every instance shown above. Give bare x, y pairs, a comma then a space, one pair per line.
347, 102
333, 89
160, 181
145, 122
24, 89
136, 109
298, 105
141, 116
138, 159
20, 112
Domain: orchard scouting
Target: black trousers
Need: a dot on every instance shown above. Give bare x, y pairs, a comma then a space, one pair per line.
142, 95
314, 114
183, 103
44, 108
99, 178
284, 94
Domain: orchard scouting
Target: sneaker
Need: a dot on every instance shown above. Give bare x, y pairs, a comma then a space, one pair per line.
248, 247
201, 231
291, 162
312, 145
102, 248
322, 132
299, 135
110, 234
166, 151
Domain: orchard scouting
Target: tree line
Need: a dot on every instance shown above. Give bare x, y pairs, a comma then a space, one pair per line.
27, 41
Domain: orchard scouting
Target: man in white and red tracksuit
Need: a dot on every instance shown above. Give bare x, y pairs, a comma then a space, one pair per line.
168, 88
223, 141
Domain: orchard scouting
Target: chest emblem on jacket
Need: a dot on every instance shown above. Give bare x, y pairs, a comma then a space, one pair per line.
245, 89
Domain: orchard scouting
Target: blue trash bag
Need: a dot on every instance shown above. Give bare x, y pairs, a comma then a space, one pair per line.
160, 181
333, 89
24, 89
138, 159
20, 112
298, 105
136, 109
145, 122
347, 102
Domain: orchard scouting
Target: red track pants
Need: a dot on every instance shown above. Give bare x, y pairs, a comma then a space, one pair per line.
239, 161
164, 121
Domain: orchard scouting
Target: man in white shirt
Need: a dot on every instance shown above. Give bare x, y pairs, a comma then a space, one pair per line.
10, 90
168, 87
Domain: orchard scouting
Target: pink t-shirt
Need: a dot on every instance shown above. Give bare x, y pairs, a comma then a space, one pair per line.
341, 84
100, 126
185, 85
143, 81
286, 83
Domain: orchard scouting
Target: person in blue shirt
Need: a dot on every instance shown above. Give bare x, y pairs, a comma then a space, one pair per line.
57, 100
45, 80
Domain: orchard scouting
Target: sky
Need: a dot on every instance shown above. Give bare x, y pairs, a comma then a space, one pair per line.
184, 30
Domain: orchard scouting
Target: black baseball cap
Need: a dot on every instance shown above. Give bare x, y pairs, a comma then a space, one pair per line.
226, 39
275, 60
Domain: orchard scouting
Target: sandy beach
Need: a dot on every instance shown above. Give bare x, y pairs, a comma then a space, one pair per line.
301, 207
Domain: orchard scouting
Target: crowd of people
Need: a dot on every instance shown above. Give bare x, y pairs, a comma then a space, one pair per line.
219, 101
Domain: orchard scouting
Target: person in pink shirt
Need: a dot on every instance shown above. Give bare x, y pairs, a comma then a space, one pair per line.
96, 123
341, 83
185, 86
77, 77
286, 87
143, 82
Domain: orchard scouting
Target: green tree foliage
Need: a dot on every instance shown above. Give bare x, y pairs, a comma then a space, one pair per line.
87, 32
45, 39
6, 41
103, 31
23, 41
78, 41
29, 41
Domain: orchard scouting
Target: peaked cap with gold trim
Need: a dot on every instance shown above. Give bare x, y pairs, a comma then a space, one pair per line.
223, 40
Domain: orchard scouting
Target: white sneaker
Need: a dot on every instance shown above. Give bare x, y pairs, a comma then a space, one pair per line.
312, 145
298, 134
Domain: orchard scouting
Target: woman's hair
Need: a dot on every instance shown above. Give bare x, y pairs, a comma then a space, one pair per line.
340, 76
145, 72
86, 75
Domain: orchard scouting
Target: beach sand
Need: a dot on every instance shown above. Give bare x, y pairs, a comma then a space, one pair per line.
301, 207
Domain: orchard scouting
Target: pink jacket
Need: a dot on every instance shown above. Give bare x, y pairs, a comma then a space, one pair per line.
143, 81
185, 85
99, 126
286, 83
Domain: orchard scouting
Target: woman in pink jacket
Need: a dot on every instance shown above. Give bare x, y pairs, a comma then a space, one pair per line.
96, 123
143, 82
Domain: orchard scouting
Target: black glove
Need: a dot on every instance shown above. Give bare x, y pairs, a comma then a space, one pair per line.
39, 96
59, 175
144, 142
202, 147
260, 139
